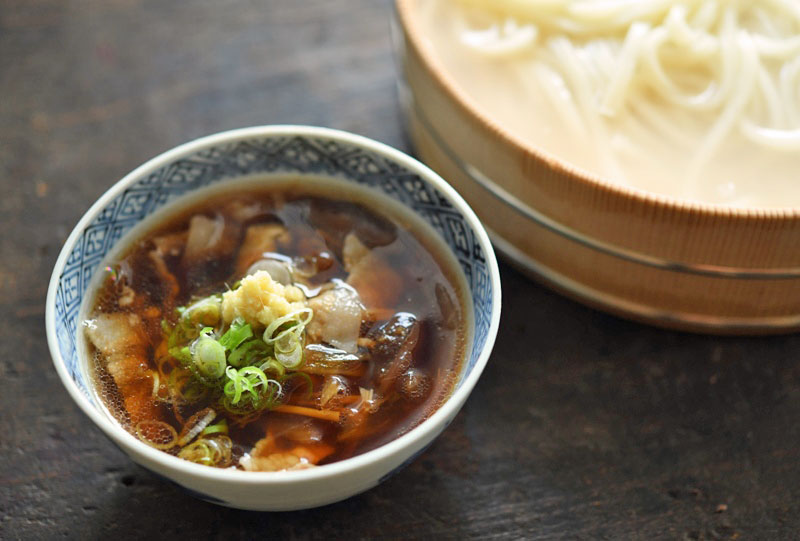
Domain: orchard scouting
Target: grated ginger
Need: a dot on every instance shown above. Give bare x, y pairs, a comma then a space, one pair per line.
260, 300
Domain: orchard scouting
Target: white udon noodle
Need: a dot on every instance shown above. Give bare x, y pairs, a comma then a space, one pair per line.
735, 61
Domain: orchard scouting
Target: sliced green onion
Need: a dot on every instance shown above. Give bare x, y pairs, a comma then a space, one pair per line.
183, 354
198, 452
195, 425
286, 342
249, 389
159, 388
244, 372
156, 434
233, 388
245, 354
306, 379
206, 311
209, 357
291, 359
297, 321
210, 451
238, 333
272, 365
305, 315
219, 428
255, 376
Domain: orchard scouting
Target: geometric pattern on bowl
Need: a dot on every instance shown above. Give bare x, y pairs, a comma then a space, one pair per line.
271, 155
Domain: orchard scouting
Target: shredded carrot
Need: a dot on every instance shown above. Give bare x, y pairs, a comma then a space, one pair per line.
311, 403
325, 415
345, 400
340, 368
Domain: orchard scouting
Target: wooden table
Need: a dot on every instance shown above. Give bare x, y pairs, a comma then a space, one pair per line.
582, 426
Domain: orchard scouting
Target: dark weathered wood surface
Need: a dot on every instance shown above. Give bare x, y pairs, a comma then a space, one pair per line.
583, 425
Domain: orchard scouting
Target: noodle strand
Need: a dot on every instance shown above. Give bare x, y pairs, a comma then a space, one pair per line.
697, 75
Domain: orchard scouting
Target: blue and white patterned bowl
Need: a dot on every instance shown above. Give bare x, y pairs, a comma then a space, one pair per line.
272, 151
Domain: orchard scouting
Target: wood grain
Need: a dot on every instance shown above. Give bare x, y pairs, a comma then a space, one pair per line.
583, 426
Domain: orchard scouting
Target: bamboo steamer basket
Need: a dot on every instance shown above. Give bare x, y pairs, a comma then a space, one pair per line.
661, 260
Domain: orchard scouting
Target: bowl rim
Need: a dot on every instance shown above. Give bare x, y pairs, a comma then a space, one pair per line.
404, 12
424, 432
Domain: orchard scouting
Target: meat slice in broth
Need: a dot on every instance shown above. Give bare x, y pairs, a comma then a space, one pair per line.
258, 240
206, 236
376, 282
118, 337
393, 347
289, 445
337, 318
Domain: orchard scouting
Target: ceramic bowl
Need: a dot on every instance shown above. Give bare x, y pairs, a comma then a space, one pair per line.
663, 260
275, 151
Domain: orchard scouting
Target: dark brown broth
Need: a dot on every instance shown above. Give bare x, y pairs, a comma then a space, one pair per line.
317, 225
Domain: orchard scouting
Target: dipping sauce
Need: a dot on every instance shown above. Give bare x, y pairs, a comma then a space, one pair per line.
278, 327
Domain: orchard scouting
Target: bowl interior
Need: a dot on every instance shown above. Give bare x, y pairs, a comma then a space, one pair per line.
198, 165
